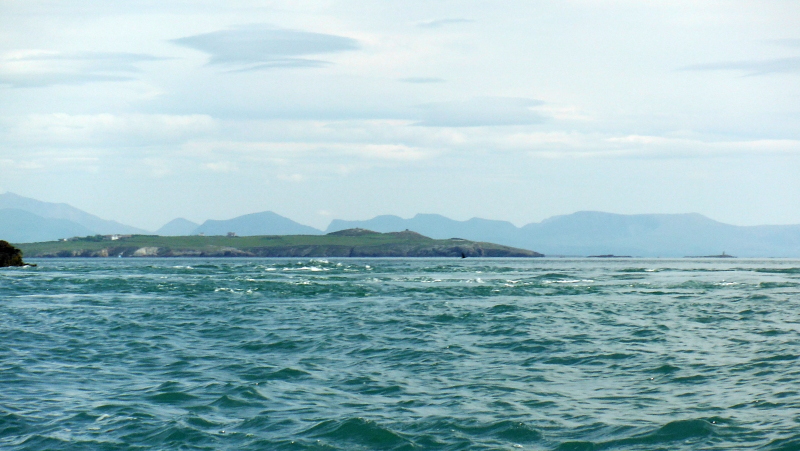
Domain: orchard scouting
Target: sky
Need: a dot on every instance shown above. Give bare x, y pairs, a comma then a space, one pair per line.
144, 111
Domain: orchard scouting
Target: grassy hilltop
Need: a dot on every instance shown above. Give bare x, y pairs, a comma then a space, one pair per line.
345, 243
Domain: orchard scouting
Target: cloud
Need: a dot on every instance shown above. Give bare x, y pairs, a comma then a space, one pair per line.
103, 130
38, 68
422, 80
277, 151
763, 67
482, 111
442, 22
259, 47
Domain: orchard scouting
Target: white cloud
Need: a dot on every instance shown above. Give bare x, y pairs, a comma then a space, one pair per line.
107, 130
257, 47
38, 68
273, 151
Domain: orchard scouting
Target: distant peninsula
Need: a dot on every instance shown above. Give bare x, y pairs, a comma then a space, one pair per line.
722, 255
345, 243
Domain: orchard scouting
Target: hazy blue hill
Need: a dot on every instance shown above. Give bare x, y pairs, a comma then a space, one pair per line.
654, 235
593, 233
51, 210
434, 226
264, 223
597, 233
19, 226
178, 227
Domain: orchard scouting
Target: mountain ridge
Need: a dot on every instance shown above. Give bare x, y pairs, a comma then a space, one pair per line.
577, 234
599, 233
52, 210
261, 223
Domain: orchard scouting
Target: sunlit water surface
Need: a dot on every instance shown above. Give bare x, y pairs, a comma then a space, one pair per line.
400, 354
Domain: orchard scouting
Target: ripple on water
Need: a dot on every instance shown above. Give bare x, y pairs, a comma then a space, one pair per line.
399, 354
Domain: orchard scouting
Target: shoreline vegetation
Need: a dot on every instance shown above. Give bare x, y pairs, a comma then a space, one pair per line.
345, 243
10, 255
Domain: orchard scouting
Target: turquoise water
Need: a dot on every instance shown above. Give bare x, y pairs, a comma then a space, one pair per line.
402, 354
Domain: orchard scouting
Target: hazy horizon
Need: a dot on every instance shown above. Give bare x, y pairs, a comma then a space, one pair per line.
143, 112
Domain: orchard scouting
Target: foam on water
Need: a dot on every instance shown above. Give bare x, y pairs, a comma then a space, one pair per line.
353, 354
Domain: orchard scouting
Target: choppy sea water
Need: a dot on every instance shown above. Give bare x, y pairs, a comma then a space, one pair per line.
400, 354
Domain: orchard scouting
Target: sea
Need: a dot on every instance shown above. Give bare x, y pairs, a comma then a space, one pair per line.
400, 354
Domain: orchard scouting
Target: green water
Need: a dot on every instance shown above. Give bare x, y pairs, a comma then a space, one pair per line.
403, 354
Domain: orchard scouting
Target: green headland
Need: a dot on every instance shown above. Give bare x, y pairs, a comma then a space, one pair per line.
345, 243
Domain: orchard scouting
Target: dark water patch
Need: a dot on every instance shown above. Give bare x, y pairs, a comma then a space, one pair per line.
503, 308
172, 398
646, 332
234, 402
257, 373
505, 433
666, 369
785, 394
689, 432
512, 431
778, 358
773, 285
12, 424
759, 297
778, 270
260, 346
772, 332
172, 435
286, 374
693, 379
598, 359
202, 423
359, 432
577, 446
784, 444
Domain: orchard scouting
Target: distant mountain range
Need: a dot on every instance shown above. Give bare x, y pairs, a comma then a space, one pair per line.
24, 220
264, 223
20, 226
598, 233
66, 212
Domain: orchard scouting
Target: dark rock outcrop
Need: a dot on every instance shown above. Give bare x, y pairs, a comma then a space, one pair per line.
10, 255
